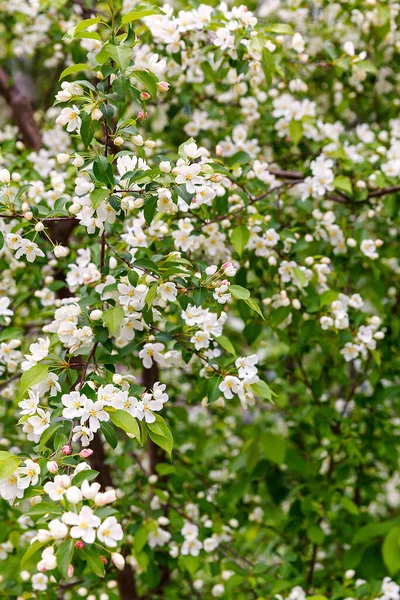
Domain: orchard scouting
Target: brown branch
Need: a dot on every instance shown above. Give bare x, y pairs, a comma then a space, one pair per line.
22, 110
384, 191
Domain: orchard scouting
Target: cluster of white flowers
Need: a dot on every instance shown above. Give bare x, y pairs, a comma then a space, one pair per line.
241, 383
364, 338
19, 480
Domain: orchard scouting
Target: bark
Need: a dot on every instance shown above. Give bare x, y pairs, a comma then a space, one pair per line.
20, 103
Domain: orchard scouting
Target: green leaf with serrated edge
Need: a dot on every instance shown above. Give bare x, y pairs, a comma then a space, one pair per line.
112, 319
122, 55
166, 443
125, 421
139, 12
239, 292
148, 80
32, 376
74, 69
159, 426
93, 560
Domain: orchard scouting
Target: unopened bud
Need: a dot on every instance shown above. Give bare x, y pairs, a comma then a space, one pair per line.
60, 251
63, 158
52, 466
145, 96
96, 114
118, 141
67, 449
85, 453
96, 314
79, 545
118, 560
163, 86
28, 215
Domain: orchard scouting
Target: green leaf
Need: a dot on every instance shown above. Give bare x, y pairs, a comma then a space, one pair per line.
93, 560
88, 129
149, 209
109, 433
239, 292
159, 427
33, 376
343, 183
121, 55
274, 447
226, 344
268, 64
31, 551
296, 131
350, 506
44, 508
367, 66
112, 319
148, 80
74, 69
8, 463
262, 389
48, 433
254, 306
315, 534
86, 475
300, 276
282, 28
151, 294
98, 196
86, 23
239, 238
391, 550
64, 555
125, 421
139, 12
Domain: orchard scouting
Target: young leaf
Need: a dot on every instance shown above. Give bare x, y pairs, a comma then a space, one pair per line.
239, 238
239, 292
32, 376
125, 421
112, 319
139, 12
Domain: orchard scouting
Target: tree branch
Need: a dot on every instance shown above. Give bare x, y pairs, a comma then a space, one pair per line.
22, 110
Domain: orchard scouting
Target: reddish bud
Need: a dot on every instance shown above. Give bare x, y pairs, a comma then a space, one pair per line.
79, 545
67, 449
104, 560
142, 115
145, 96
85, 453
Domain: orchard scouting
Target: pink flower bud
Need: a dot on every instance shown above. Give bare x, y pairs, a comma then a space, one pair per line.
85, 453
71, 569
142, 115
226, 265
145, 96
104, 560
163, 86
79, 545
67, 449
219, 150
52, 466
